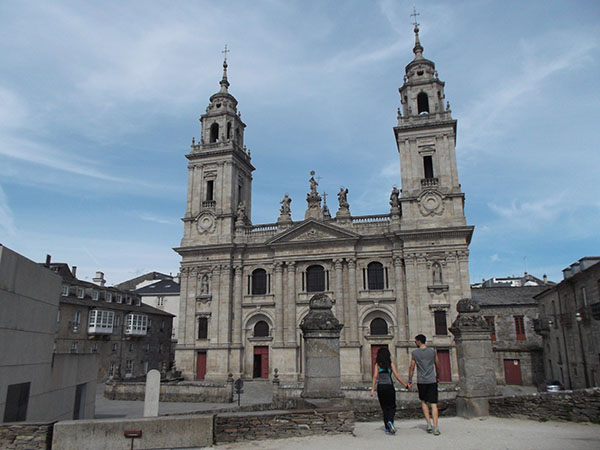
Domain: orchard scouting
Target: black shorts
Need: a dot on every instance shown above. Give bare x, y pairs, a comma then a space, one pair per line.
428, 392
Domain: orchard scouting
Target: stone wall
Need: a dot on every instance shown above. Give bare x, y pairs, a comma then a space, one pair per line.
272, 424
26, 436
173, 392
577, 406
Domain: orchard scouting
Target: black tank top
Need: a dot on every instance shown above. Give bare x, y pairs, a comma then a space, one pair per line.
385, 376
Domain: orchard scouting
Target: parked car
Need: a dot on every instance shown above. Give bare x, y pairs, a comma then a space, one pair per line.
553, 386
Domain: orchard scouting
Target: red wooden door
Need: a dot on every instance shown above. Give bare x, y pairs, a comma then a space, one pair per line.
374, 350
512, 371
261, 362
201, 366
444, 365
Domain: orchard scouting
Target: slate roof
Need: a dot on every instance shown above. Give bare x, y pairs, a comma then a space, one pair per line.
130, 285
160, 287
504, 296
101, 304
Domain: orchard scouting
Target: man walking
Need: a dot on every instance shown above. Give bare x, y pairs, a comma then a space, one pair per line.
426, 360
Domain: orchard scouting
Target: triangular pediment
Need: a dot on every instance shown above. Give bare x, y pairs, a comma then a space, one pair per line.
312, 230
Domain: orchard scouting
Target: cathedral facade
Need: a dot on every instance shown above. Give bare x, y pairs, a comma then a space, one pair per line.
245, 288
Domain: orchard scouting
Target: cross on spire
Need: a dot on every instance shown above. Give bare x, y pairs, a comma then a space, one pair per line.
414, 16
225, 53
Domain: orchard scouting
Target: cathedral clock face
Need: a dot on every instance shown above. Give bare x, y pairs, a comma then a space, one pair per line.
206, 223
431, 203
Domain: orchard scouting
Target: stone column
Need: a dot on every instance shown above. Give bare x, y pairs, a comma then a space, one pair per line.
476, 371
339, 292
278, 269
225, 305
400, 299
353, 302
321, 332
237, 305
290, 319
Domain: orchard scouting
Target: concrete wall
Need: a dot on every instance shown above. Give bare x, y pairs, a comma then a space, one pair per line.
157, 433
29, 299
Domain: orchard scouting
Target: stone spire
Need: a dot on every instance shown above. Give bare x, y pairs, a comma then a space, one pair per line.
224, 82
418, 48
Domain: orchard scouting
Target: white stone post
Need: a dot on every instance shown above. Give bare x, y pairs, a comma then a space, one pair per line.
278, 269
291, 304
152, 396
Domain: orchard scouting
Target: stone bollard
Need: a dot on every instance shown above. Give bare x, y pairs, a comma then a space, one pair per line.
151, 399
476, 362
229, 387
321, 332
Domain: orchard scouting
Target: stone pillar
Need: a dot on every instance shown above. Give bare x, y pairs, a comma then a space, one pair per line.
339, 293
237, 305
278, 269
321, 332
400, 299
290, 318
151, 399
353, 302
476, 363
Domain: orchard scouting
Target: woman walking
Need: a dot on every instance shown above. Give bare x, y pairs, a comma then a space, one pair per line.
386, 393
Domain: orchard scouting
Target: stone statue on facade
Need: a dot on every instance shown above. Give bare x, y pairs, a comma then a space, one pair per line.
241, 218
313, 199
343, 213
395, 198
204, 285
343, 198
285, 205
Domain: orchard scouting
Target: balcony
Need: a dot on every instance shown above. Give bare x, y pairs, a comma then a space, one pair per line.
541, 326
136, 325
209, 204
429, 182
100, 322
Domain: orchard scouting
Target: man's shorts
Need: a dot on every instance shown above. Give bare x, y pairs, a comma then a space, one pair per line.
428, 392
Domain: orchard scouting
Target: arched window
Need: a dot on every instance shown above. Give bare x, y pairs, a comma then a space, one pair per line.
375, 276
428, 166
261, 329
214, 132
259, 282
202, 328
422, 103
315, 279
379, 327
228, 130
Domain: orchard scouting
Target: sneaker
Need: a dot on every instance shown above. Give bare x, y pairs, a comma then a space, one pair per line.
391, 427
436, 432
429, 428
387, 431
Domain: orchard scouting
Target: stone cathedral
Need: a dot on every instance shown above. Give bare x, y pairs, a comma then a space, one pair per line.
245, 287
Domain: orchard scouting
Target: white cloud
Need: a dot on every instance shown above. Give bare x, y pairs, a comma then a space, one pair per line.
495, 257
148, 217
7, 220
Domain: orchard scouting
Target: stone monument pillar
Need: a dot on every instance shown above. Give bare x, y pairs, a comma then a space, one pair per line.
475, 360
321, 332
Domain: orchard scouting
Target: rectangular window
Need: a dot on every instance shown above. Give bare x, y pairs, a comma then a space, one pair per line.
100, 322
202, 328
17, 399
115, 347
129, 368
584, 296
128, 298
210, 194
160, 348
74, 347
147, 348
80, 292
111, 370
119, 298
108, 297
65, 290
428, 166
145, 367
160, 301
492, 324
130, 347
95, 347
441, 326
162, 325
138, 302
76, 321
136, 324
520, 328
95, 295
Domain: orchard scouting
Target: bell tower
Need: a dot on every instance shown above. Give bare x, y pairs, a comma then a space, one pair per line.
219, 173
426, 138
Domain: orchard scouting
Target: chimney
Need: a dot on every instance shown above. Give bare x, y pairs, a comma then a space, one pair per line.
74, 271
99, 279
48, 259
545, 278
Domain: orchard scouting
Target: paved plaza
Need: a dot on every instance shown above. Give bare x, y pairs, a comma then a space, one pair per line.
490, 433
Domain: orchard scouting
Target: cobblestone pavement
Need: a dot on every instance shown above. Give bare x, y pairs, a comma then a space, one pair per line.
255, 391
457, 434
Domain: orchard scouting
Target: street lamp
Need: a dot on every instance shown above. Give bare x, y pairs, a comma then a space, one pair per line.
579, 319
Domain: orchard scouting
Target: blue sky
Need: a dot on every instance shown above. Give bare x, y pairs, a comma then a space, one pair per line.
99, 102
